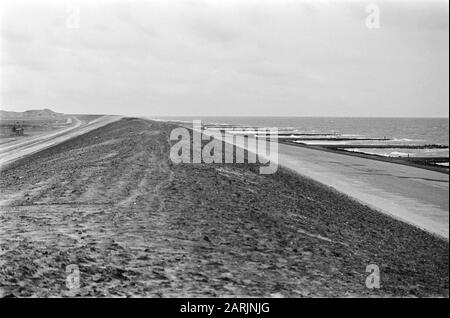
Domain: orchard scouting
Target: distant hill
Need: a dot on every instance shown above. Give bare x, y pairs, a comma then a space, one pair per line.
31, 114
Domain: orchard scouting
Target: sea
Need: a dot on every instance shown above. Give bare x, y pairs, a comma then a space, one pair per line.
396, 131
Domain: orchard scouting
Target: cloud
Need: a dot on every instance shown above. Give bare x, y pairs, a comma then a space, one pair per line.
226, 58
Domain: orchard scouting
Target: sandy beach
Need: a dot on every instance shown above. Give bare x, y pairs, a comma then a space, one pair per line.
111, 202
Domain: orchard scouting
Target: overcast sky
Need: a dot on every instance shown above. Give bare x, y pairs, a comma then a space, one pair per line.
205, 57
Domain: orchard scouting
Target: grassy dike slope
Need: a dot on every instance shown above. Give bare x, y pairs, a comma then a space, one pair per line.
112, 203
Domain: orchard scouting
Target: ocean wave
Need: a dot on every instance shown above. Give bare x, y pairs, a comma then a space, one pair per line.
406, 140
323, 143
384, 154
436, 150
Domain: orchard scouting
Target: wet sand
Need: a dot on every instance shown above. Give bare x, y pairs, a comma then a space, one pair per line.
112, 203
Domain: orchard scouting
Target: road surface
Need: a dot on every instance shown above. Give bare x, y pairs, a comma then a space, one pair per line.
413, 195
17, 149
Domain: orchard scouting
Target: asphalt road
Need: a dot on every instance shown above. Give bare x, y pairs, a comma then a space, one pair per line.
417, 196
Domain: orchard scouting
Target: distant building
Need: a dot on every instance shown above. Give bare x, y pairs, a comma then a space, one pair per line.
17, 129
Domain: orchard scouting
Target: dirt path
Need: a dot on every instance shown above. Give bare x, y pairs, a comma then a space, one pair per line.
113, 204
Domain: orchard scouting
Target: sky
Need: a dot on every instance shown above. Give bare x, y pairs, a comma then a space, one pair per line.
226, 58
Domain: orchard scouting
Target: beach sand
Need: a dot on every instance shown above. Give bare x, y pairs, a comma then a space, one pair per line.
112, 203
